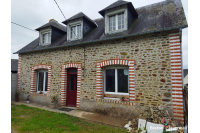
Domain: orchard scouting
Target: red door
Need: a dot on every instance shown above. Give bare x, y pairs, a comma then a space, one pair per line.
71, 87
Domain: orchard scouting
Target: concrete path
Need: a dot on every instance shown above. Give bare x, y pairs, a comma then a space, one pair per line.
82, 114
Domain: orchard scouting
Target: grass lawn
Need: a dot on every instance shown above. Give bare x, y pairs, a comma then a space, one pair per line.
30, 119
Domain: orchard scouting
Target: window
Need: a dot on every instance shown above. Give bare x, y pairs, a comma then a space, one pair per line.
116, 81
46, 38
116, 22
42, 80
75, 32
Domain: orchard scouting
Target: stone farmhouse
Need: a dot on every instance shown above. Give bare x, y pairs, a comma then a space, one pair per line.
130, 53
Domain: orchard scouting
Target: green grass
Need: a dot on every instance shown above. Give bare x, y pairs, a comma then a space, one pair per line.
31, 120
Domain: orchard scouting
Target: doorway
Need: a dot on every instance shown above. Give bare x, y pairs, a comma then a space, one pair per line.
71, 87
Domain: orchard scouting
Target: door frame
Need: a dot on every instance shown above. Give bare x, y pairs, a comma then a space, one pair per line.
69, 74
64, 82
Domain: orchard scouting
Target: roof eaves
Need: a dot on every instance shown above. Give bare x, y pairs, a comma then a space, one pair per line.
95, 41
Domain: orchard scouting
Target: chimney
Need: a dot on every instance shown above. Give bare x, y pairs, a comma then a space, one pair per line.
52, 20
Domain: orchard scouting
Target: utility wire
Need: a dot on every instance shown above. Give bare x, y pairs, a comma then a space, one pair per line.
23, 26
60, 9
65, 18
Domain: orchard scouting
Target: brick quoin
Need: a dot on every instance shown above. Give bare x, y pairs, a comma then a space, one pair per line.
18, 72
176, 76
99, 80
64, 82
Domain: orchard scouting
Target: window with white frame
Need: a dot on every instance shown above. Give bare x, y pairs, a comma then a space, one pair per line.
116, 80
74, 30
116, 22
42, 80
45, 37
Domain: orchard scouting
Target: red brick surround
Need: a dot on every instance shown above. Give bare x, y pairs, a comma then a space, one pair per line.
34, 77
64, 82
176, 76
99, 79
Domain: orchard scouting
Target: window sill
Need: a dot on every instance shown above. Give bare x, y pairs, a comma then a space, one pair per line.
39, 94
110, 98
75, 39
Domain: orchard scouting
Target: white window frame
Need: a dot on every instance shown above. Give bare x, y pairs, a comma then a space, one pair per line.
116, 22
70, 25
115, 12
44, 81
116, 81
42, 32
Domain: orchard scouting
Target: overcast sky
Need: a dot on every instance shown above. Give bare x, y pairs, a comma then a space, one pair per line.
35, 13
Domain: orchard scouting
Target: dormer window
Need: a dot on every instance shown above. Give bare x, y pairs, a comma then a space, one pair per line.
119, 16
76, 32
116, 22
50, 32
45, 37
75, 24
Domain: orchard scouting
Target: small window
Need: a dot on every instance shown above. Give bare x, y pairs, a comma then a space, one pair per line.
45, 37
75, 32
116, 22
42, 81
116, 81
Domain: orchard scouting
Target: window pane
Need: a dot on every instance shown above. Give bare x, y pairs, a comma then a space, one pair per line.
122, 15
122, 80
71, 70
49, 38
119, 17
110, 29
40, 81
73, 32
71, 83
78, 31
45, 37
110, 80
123, 20
46, 81
110, 23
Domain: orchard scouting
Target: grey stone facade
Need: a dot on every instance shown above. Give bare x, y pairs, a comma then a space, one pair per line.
151, 53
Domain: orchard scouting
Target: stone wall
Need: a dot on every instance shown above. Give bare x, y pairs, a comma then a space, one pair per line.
152, 69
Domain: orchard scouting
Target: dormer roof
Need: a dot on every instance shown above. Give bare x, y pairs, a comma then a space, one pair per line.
78, 16
118, 4
53, 23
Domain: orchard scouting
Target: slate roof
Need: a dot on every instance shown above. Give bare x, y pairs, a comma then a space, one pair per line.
14, 65
118, 4
162, 16
54, 24
77, 16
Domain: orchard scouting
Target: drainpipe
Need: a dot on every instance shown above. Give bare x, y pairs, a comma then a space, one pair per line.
83, 68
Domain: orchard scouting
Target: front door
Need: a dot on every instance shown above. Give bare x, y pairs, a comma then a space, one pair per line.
71, 87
